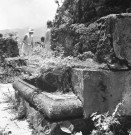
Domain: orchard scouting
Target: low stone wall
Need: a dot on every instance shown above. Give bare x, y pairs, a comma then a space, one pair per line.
11, 69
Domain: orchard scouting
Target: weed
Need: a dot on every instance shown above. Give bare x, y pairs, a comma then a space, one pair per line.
103, 123
10, 99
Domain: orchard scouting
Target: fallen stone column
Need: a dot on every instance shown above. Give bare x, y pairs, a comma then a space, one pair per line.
53, 107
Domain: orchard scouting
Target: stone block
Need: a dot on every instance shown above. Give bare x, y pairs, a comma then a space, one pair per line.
101, 90
122, 37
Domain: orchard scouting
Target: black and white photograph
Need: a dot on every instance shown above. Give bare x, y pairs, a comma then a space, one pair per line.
65, 67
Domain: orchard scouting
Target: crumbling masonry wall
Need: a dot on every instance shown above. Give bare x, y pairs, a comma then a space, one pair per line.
107, 38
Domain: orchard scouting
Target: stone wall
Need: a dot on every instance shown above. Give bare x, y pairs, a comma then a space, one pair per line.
99, 91
8, 48
87, 11
108, 38
72, 31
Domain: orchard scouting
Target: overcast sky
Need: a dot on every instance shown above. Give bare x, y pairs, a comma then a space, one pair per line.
26, 13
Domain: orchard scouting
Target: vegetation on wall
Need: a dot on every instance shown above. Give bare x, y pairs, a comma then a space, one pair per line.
76, 29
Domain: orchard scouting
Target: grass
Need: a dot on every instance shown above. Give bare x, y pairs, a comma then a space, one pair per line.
10, 99
46, 59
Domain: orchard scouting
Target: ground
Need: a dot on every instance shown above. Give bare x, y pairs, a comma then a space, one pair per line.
7, 116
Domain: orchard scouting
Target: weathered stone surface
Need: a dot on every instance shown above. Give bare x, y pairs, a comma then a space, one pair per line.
38, 122
101, 90
108, 38
42, 127
85, 11
75, 33
122, 37
54, 107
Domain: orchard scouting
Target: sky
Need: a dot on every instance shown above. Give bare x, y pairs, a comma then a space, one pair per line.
26, 13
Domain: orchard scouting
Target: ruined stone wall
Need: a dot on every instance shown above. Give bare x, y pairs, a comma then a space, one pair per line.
103, 38
78, 29
8, 48
86, 11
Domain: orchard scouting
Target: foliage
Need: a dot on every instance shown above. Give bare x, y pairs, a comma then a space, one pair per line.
83, 11
112, 124
10, 99
103, 123
8, 48
45, 59
86, 55
55, 69
75, 32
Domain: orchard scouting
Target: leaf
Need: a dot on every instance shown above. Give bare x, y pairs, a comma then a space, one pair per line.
79, 133
105, 126
97, 116
66, 130
93, 114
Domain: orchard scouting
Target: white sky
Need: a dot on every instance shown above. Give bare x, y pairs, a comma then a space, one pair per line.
26, 13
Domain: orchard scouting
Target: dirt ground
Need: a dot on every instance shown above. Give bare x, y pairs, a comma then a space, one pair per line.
8, 123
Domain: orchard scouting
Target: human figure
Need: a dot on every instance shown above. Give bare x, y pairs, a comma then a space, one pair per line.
1, 36
42, 42
2, 44
27, 46
17, 39
1, 49
48, 36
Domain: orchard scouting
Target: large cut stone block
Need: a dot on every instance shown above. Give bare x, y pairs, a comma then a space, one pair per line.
101, 90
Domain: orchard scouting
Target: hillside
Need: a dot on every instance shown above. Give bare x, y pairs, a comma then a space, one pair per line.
39, 31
